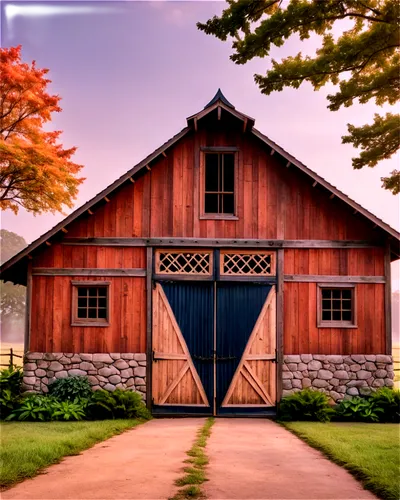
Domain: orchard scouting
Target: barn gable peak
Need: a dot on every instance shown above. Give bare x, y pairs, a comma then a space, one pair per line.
219, 96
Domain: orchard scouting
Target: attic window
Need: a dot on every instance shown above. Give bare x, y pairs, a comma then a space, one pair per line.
219, 183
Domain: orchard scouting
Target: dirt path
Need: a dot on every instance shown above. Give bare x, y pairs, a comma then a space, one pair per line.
257, 459
139, 464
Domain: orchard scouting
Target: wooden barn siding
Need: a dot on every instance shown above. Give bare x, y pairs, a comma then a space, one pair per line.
51, 329
65, 256
274, 202
336, 262
301, 335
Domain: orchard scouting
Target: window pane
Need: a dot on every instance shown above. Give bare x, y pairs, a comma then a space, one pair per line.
336, 294
336, 304
326, 304
82, 291
346, 316
102, 291
92, 313
82, 302
211, 204
103, 302
346, 294
211, 172
326, 293
93, 291
336, 316
229, 172
82, 313
326, 315
346, 304
92, 302
228, 204
102, 313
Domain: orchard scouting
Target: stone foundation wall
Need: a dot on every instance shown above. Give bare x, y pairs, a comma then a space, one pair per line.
339, 376
104, 371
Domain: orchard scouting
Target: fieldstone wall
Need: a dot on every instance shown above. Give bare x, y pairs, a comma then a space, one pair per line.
338, 376
104, 371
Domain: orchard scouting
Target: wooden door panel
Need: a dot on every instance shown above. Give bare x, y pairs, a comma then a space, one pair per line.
175, 378
254, 381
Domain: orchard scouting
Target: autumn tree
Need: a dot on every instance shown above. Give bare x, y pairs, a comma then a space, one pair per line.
12, 297
363, 62
36, 171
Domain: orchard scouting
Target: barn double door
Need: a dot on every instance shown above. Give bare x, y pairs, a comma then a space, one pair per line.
214, 347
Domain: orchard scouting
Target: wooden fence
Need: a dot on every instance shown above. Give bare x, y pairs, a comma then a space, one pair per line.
12, 358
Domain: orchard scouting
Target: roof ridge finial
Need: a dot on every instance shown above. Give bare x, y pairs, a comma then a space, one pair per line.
219, 96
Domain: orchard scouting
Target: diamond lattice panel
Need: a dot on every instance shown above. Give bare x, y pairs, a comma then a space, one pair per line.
247, 264
184, 262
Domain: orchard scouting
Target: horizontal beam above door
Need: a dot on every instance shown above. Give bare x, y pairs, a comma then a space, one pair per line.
50, 271
311, 278
219, 243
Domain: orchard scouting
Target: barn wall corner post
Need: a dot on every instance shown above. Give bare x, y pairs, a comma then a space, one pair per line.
28, 308
279, 322
388, 300
149, 314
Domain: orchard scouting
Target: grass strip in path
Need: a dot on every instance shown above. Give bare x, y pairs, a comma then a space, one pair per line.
195, 471
28, 447
371, 452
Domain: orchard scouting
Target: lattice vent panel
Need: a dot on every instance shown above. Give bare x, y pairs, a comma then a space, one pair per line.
247, 264
184, 262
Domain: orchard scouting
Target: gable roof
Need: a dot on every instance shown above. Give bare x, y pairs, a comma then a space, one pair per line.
10, 271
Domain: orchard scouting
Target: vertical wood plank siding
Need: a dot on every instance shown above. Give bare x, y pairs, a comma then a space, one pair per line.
301, 335
273, 202
51, 329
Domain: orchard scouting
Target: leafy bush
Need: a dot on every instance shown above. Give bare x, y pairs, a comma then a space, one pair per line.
68, 410
8, 402
10, 387
117, 404
70, 388
359, 409
33, 407
307, 404
389, 401
11, 379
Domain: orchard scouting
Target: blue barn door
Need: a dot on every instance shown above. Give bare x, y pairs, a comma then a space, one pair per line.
246, 348
213, 347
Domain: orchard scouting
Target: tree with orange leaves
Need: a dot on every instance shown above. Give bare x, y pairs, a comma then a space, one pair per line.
36, 172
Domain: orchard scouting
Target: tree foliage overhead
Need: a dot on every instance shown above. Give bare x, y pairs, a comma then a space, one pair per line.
35, 170
364, 61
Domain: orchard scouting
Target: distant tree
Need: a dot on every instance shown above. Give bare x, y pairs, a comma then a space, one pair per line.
364, 61
12, 297
35, 170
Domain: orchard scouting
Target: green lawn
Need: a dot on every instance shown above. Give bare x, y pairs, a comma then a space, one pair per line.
28, 447
371, 452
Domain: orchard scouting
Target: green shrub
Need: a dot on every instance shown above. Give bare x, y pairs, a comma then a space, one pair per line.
359, 409
307, 404
33, 407
68, 410
8, 402
70, 388
11, 379
389, 401
10, 388
117, 404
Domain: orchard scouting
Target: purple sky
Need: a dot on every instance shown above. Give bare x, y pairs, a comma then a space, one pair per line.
129, 74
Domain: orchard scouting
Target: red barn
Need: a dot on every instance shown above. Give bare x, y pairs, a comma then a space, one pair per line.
215, 276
